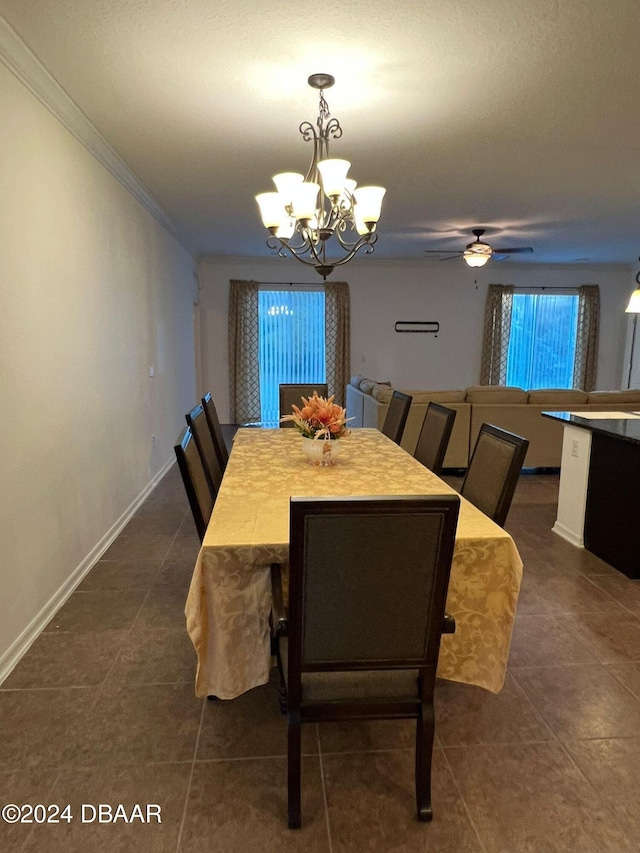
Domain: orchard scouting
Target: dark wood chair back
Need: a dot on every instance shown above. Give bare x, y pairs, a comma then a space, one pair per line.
367, 588
197, 421
195, 480
493, 471
216, 430
397, 414
290, 394
434, 436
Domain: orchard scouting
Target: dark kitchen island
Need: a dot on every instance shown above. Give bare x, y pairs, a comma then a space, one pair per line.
599, 499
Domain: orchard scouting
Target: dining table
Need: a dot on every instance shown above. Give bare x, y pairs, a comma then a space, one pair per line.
229, 599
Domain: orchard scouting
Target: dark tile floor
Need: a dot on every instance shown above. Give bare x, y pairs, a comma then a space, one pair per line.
102, 710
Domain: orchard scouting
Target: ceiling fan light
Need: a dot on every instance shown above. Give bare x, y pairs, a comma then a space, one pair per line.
634, 303
475, 259
334, 175
271, 209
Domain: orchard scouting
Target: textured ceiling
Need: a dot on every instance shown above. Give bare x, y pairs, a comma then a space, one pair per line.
520, 117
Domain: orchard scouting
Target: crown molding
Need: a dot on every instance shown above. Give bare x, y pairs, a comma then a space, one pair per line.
25, 65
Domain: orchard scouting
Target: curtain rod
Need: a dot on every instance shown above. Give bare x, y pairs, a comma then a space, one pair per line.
285, 285
548, 287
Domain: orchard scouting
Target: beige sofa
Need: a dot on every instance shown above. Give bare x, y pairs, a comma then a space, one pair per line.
513, 409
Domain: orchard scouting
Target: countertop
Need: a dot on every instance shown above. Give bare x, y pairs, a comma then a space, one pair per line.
624, 428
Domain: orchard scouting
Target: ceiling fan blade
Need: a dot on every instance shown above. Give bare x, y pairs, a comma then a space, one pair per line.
439, 251
452, 257
516, 251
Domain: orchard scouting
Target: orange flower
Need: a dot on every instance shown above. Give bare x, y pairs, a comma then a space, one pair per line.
319, 418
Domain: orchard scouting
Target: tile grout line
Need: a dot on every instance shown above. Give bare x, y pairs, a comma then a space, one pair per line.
324, 790
32, 831
463, 801
188, 791
116, 658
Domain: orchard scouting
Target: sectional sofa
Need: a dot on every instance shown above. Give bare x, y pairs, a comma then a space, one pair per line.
511, 408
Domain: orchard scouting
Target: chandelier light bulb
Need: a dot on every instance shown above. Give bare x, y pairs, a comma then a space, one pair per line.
286, 183
634, 303
361, 227
346, 198
304, 201
271, 209
286, 228
369, 203
334, 176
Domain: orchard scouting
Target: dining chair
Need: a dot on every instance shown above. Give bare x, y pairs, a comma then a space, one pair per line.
195, 480
396, 418
290, 394
216, 430
434, 436
361, 645
493, 471
197, 421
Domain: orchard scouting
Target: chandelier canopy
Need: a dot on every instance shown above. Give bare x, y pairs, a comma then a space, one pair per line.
308, 211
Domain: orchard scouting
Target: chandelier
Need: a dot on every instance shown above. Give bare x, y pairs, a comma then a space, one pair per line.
306, 213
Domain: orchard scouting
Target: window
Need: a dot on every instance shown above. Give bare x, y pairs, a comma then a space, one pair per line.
542, 341
291, 336
309, 324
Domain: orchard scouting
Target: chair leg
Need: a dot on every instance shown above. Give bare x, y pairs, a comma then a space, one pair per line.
425, 730
293, 765
282, 697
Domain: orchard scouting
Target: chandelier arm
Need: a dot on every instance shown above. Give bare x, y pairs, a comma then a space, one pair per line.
363, 243
308, 131
319, 256
283, 246
332, 129
347, 244
284, 249
299, 247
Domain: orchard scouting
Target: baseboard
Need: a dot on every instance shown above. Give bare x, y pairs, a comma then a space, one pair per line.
15, 652
568, 535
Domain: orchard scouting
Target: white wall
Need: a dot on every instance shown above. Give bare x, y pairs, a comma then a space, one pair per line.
93, 291
383, 292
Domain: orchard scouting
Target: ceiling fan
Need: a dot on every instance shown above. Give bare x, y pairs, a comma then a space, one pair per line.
478, 252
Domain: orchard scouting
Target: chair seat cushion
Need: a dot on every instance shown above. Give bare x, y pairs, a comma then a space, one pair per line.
395, 684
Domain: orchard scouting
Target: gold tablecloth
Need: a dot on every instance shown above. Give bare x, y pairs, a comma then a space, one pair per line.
229, 599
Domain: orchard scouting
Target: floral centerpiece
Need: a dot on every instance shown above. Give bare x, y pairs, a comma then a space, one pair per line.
320, 418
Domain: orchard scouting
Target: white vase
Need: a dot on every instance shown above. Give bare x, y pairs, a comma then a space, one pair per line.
320, 451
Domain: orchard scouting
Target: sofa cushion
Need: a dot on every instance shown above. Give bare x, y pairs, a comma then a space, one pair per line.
631, 395
366, 385
495, 394
356, 380
558, 396
382, 392
437, 396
